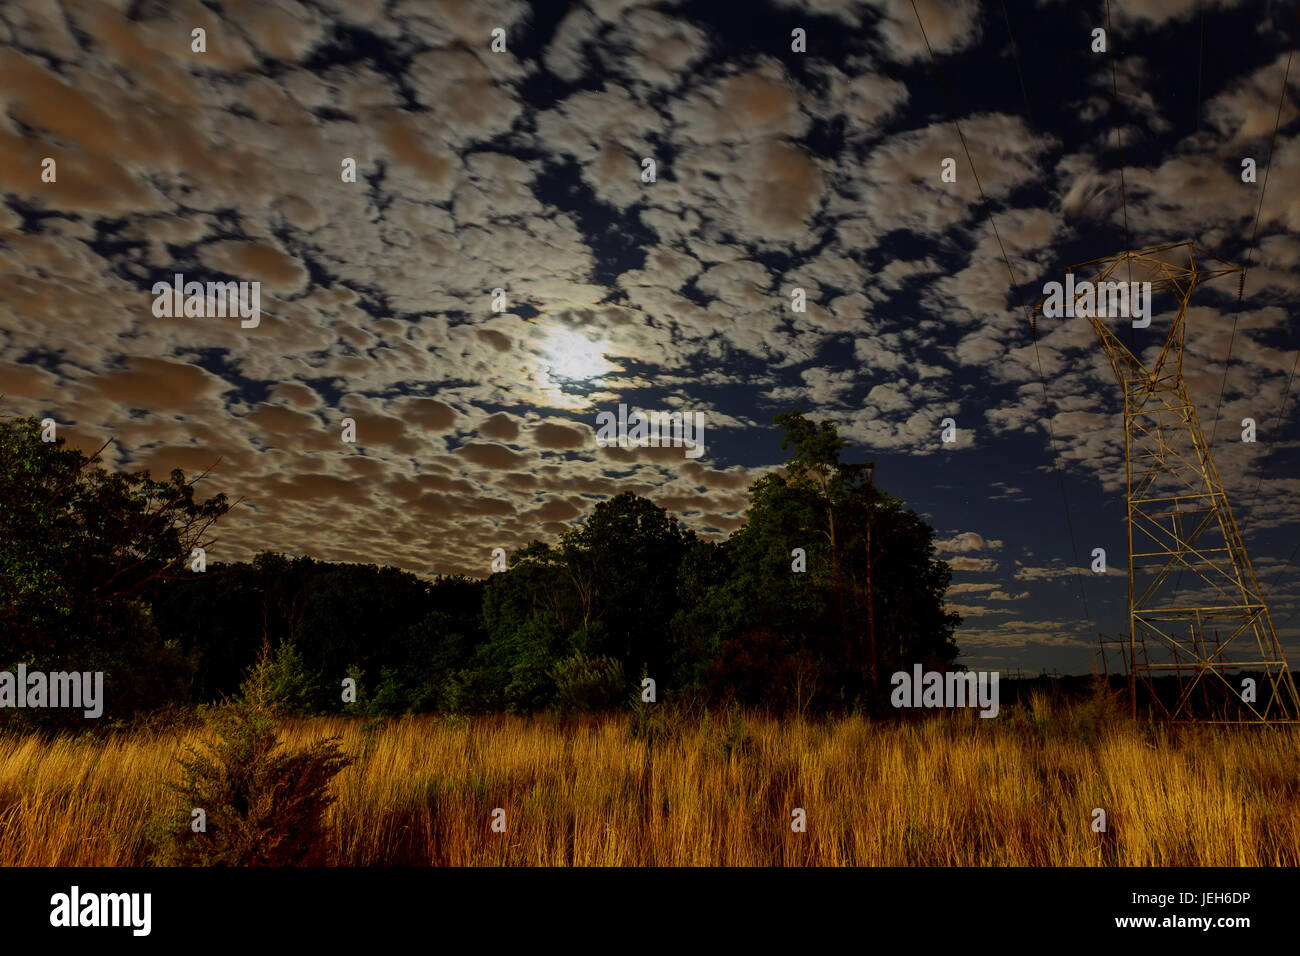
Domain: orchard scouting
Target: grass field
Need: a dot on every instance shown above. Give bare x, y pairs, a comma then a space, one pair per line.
715, 790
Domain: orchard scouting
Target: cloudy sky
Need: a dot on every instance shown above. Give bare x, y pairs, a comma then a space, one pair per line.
522, 170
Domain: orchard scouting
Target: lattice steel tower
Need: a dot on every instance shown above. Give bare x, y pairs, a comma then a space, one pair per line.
1210, 635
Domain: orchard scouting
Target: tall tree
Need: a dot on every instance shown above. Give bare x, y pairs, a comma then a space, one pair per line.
832, 583
623, 562
79, 545
607, 590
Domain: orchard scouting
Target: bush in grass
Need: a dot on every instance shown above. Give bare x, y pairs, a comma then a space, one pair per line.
264, 805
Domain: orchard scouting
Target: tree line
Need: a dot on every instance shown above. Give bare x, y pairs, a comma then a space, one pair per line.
828, 586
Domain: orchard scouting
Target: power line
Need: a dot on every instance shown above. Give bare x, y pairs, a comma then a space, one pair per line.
1277, 419
1015, 56
1014, 285
1241, 285
1119, 146
1200, 63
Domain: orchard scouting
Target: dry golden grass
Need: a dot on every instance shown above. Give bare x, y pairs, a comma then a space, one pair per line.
948, 790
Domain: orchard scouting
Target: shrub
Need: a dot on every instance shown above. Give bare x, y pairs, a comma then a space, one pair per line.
290, 686
587, 683
263, 806
390, 697
467, 691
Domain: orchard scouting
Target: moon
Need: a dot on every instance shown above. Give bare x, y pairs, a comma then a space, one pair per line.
571, 356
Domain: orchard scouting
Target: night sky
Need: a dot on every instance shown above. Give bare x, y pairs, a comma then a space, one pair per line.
774, 169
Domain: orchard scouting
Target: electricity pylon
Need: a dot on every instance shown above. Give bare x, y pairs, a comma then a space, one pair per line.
1213, 635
